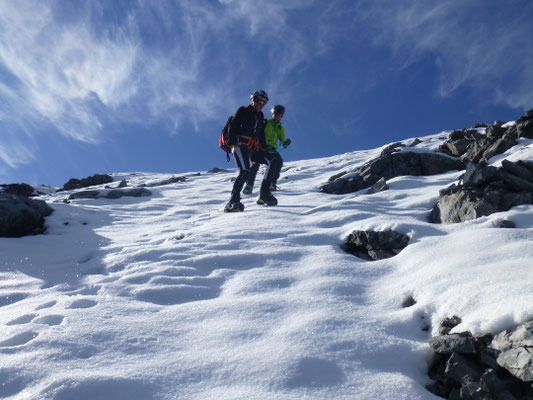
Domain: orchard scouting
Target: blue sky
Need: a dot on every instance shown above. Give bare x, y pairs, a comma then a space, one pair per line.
102, 86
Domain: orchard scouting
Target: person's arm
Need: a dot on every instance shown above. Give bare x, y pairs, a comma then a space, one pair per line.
235, 127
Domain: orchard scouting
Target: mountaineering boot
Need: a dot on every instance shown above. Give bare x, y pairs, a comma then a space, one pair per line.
234, 206
248, 189
265, 197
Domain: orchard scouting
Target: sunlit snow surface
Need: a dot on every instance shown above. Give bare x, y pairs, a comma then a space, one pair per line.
168, 297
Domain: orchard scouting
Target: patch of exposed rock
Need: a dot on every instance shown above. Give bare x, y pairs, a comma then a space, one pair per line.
485, 367
484, 190
20, 216
474, 146
169, 181
389, 164
110, 194
375, 245
20, 189
94, 180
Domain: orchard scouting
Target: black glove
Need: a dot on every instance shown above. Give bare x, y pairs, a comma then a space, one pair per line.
286, 143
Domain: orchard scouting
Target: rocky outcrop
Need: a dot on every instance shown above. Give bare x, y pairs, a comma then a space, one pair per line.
484, 190
20, 216
375, 245
389, 164
474, 146
169, 181
94, 180
485, 367
110, 194
20, 189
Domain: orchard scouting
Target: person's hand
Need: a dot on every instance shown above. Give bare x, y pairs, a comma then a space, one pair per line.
286, 143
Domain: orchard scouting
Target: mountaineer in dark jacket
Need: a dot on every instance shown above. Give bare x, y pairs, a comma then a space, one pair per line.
246, 135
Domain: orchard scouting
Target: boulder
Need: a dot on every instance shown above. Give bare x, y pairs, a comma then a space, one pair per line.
455, 343
111, 194
524, 125
389, 164
169, 181
500, 367
20, 189
475, 147
484, 190
375, 245
20, 216
94, 180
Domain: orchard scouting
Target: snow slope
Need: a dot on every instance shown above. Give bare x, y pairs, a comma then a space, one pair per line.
167, 297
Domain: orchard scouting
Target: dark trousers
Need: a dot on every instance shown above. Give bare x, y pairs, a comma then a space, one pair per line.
273, 161
244, 158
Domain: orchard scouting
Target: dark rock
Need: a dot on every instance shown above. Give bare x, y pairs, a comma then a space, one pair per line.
490, 382
169, 181
505, 224
379, 186
501, 145
495, 131
484, 190
375, 245
409, 302
123, 183
455, 343
137, 192
112, 194
20, 216
415, 142
463, 205
392, 148
216, 170
473, 391
389, 165
458, 367
86, 194
94, 180
448, 324
524, 125
478, 174
520, 169
20, 189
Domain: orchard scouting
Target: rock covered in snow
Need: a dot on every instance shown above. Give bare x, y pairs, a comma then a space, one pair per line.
485, 190
389, 164
94, 180
110, 194
485, 367
20, 216
375, 245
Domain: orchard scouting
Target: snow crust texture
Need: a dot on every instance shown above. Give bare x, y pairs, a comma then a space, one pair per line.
168, 297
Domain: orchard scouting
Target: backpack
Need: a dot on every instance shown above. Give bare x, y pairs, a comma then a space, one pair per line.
223, 140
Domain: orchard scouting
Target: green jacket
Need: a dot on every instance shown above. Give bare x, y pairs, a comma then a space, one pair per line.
273, 133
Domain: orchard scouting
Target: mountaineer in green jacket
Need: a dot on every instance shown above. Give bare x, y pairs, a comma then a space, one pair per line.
274, 133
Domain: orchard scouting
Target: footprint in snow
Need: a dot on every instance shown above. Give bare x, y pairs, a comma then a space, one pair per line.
51, 320
83, 303
46, 305
25, 319
20, 339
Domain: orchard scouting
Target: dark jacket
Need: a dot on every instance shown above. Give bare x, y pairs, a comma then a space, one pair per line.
247, 123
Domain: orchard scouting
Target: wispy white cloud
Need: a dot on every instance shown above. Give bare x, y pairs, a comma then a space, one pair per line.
483, 45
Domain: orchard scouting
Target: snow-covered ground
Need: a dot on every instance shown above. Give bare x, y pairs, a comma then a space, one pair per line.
168, 297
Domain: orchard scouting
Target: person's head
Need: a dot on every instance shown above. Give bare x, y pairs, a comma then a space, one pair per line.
258, 99
277, 113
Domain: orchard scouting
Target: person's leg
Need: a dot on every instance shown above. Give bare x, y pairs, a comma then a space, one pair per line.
242, 159
278, 165
251, 178
272, 168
